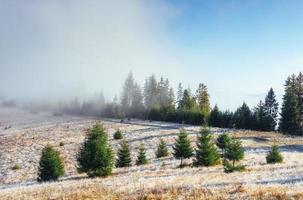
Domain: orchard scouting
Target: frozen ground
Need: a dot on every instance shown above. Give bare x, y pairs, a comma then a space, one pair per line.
23, 133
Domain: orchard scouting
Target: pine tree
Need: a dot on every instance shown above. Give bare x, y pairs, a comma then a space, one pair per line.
271, 107
206, 152
141, 159
262, 120
151, 92
127, 94
95, 156
182, 147
187, 102
242, 117
162, 150
118, 135
290, 116
163, 90
215, 117
136, 102
234, 152
227, 119
299, 92
124, 158
179, 95
171, 100
132, 98
202, 97
274, 156
222, 142
50, 165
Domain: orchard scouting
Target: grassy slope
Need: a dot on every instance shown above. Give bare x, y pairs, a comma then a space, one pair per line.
160, 179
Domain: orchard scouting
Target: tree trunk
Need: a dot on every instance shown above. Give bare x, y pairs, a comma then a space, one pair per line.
181, 163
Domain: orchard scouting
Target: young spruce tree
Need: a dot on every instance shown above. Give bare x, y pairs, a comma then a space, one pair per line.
50, 165
124, 158
206, 152
234, 152
182, 147
141, 159
274, 156
95, 156
222, 142
118, 135
162, 150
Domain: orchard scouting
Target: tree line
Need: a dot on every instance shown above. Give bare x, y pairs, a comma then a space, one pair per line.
157, 100
265, 116
96, 157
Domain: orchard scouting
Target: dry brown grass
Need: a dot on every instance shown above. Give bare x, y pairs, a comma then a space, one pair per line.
95, 190
269, 138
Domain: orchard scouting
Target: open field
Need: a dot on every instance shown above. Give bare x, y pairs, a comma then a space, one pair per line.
23, 134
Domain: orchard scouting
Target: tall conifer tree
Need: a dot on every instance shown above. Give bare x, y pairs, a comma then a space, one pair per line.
202, 97
179, 94
242, 117
290, 114
137, 106
126, 97
215, 117
187, 102
299, 90
261, 120
271, 108
150, 92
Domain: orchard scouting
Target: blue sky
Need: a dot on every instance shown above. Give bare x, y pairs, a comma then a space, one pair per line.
239, 48
243, 47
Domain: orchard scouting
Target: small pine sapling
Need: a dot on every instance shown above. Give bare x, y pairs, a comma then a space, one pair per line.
162, 150
182, 147
274, 156
124, 158
141, 159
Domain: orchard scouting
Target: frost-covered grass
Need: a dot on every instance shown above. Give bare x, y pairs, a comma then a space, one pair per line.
30, 132
95, 189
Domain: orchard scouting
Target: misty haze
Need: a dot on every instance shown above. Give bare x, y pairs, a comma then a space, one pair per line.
162, 99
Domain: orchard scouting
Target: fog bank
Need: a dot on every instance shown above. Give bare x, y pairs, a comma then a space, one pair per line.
63, 49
